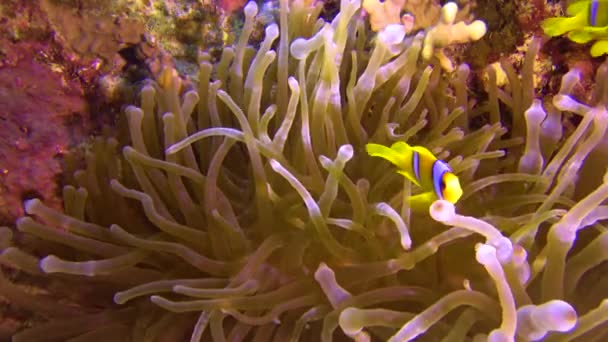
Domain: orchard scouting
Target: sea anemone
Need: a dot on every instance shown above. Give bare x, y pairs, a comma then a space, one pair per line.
246, 208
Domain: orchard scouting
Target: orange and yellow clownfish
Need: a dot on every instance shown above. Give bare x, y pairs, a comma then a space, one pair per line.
422, 168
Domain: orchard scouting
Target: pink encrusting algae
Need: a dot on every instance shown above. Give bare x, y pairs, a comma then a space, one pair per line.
245, 207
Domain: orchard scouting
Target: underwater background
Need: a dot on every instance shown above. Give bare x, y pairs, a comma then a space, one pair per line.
196, 170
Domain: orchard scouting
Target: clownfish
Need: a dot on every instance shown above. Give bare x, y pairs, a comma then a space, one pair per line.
598, 13
422, 168
582, 16
587, 21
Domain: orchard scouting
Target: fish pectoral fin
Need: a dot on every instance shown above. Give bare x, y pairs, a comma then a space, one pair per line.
409, 176
421, 202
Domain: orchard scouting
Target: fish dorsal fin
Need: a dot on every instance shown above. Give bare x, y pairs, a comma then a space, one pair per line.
577, 7
401, 147
424, 152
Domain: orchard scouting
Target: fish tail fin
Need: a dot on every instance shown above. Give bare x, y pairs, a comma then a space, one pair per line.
386, 153
557, 26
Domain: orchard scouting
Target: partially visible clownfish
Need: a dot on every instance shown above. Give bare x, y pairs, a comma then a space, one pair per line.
422, 168
582, 16
586, 21
598, 13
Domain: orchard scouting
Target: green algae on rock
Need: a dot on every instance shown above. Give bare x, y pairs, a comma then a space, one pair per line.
247, 209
